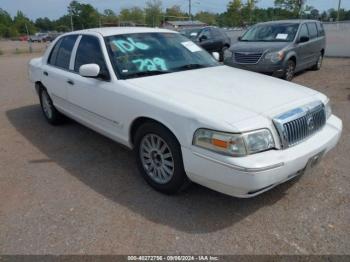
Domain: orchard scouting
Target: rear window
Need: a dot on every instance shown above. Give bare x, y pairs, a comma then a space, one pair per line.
60, 55
312, 30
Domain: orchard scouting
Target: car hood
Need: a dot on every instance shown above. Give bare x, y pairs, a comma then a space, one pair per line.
258, 47
225, 93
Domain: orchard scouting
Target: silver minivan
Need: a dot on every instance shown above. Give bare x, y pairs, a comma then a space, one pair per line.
280, 48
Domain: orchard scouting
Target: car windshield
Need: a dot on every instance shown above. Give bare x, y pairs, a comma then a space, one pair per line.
145, 54
191, 32
271, 33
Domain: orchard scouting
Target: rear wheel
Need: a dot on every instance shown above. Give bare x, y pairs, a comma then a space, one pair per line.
50, 112
318, 64
289, 71
159, 158
222, 54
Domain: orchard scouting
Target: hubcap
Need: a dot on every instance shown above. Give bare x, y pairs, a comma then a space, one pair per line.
46, 104
290, 71
157, 159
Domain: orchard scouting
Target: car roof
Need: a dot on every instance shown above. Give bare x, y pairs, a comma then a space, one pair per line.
108, 31
289, 21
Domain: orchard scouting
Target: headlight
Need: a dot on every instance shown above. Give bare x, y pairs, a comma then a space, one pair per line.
328, 109
234, 144
275, 56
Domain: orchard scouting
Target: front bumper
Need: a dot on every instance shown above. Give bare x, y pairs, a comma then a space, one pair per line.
266, 67
254, 174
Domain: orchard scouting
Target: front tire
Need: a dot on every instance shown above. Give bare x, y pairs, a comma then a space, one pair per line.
289, 71
318, 64
51, 114
159, 158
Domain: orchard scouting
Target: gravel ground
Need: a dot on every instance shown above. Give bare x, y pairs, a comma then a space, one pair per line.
69, 190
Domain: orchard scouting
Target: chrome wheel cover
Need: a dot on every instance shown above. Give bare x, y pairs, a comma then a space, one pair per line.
290, 72
46, 104
157, 158
319, 62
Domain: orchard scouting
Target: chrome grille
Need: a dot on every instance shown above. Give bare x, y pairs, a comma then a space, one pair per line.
247, 58
298, 124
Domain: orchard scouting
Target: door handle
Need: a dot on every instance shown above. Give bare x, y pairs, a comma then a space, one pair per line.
45, 73
70, 82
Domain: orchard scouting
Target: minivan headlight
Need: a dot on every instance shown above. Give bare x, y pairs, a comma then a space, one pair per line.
275, 56
234, 144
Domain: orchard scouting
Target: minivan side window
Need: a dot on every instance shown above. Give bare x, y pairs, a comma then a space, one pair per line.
65, 51
303, 31
312, 30
320, 29
89, 52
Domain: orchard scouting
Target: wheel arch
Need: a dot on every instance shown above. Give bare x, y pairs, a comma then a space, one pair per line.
139, 121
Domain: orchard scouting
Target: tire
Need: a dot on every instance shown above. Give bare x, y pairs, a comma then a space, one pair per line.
159, 158
289, 70
222, 54
318, 64
51, 114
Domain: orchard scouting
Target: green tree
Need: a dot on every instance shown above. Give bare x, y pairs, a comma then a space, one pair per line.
21, 23
135, 15
207, 17
153, 12
44, 24
84, 15
174, 12
109, 17
234, 15
295, 6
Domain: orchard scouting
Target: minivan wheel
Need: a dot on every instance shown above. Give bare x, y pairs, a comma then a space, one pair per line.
50, 112
159, 158
318, 64
289, 70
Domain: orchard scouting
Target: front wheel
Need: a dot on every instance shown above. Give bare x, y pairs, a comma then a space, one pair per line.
289, 71
159, 158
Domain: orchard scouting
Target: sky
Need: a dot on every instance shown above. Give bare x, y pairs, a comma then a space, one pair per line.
56, 8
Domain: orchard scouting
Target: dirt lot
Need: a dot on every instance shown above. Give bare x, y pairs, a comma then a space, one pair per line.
68, 190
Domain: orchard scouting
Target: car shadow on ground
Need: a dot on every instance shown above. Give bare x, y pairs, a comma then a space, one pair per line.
110, 170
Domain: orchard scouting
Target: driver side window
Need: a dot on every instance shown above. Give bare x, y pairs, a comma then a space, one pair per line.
206, 33
89, 52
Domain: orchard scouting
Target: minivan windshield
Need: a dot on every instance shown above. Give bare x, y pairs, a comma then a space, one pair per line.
271, 33
146, 54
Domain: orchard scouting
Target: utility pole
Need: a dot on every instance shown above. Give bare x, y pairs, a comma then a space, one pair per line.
339, 3
189, 9
71, 22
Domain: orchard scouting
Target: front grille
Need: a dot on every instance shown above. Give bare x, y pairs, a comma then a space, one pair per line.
247, 58
299, 124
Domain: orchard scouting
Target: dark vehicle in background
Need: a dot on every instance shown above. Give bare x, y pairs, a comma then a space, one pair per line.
210, 38
280, 48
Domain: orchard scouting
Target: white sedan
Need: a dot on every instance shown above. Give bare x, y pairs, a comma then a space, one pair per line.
187, 117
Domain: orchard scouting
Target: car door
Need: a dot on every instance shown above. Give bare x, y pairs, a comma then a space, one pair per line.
56, 70
93, 100
303, 49
218, 39
206, 40
315, 43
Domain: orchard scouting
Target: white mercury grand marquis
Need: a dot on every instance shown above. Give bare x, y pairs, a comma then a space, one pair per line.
186, 116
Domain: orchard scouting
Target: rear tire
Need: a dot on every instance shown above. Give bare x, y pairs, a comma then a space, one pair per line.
159, 158
51, 114
289, 71
318, 64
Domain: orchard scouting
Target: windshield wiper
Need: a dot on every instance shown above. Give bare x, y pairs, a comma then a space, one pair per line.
188, 67
146, 73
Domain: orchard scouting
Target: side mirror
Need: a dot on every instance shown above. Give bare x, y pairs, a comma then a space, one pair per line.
89, 70
202, 38
216, 55
239, 38
303, 39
